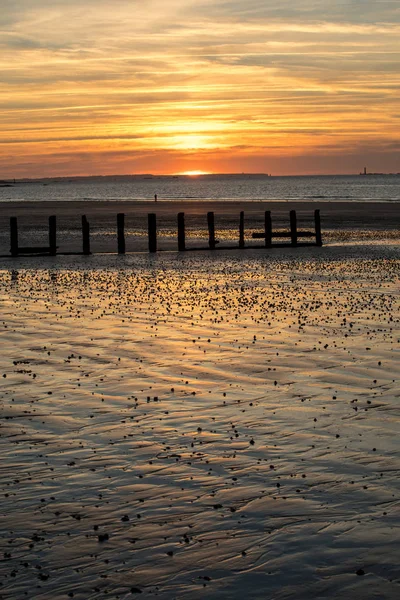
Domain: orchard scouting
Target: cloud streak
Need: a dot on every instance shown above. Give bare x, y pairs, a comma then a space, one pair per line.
181, 78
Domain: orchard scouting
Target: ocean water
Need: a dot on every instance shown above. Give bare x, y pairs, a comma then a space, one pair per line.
355, 188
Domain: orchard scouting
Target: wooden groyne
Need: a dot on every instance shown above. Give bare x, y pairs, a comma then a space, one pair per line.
294, 234
271, 238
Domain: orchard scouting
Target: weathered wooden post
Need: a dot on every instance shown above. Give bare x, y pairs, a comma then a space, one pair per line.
211, 230
53, 235
268, 229
317, 221
14, 236
85, 235
181, 232
241, 230
152, 229
121, 232
293, 227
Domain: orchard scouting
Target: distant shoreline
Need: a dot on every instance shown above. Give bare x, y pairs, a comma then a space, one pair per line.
65, 178
166, 200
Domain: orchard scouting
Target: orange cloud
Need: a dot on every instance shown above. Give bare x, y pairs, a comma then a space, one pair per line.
169, 87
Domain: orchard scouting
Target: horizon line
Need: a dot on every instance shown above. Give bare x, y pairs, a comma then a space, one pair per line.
192, 176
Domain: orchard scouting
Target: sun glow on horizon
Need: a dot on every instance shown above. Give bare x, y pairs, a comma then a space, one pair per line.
194, 173
291, 88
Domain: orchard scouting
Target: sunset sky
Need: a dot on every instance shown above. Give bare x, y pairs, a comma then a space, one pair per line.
167, 86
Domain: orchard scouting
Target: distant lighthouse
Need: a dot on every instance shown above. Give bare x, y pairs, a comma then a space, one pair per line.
365, 170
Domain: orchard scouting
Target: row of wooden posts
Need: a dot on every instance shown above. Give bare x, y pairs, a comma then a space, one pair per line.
267, 234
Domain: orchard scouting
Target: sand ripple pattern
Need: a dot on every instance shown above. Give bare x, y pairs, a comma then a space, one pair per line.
200, 427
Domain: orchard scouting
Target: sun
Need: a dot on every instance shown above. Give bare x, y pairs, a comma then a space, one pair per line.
194, 173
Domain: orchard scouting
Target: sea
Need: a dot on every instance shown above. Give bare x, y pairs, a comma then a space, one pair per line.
250, 187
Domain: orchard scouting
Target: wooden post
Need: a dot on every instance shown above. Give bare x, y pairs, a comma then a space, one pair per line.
241, 230
181, 232
121, 232
211, 230
53, 235
293, 227
317, 221
85, 235
14, 236
268, 229
152, 228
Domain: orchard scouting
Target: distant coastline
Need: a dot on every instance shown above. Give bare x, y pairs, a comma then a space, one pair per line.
11, 181
236, 187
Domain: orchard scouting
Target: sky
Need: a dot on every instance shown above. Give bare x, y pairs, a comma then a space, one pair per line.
94, 87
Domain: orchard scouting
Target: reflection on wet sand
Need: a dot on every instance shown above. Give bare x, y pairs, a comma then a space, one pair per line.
193, 427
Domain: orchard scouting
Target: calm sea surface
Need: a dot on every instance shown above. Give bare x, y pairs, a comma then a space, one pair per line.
384, 188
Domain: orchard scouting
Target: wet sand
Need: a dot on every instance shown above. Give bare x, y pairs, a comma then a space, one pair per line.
201, 426
341, 221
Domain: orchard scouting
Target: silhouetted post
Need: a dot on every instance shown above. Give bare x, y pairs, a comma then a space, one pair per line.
53, 235
14, 236
317, 221
241, 230
85, 235
293, 227
268, 229
121, 232
152, 228
181, 232
211, 230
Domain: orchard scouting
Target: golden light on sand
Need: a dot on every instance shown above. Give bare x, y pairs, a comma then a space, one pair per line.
199, 399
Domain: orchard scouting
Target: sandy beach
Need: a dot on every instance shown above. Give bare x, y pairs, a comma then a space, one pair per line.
341, 221
201, 426
199, 300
